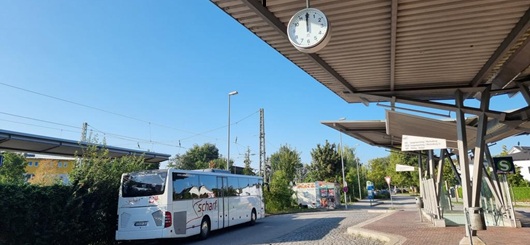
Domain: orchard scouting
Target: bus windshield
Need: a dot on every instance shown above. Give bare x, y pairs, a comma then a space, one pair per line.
147, 183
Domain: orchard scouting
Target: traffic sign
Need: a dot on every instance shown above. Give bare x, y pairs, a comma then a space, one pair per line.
503, 165
387, 178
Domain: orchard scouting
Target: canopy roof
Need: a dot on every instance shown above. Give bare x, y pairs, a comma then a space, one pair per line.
413, 50
22, 142
389, 133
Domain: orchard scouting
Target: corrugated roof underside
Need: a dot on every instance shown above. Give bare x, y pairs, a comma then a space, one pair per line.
449, 41
439, 43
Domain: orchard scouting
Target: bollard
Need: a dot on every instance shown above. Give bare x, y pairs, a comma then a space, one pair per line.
419, 202
476, 218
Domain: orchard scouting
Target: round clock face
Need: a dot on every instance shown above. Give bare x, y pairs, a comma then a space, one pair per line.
308, 30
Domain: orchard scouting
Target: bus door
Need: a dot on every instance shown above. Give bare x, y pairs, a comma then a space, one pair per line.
222, 184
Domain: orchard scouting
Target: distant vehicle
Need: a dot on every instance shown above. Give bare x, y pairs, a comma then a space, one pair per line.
174, 203
318, 194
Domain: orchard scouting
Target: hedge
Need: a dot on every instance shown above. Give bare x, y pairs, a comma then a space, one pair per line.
34, 214
520, 194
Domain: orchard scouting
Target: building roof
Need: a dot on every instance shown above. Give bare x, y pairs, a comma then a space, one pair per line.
22, 142
520, 153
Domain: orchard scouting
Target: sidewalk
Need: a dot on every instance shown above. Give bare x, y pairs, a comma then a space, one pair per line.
402, 225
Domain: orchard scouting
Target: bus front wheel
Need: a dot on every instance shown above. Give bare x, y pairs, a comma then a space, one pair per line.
205, 228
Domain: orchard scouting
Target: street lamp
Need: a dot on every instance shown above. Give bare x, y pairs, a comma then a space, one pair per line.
359, 179
228, 155
344, 183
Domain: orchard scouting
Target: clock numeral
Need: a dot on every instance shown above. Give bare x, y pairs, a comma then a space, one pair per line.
315, 38
296, 24
300, 18
319, 19
308, 41
320, 32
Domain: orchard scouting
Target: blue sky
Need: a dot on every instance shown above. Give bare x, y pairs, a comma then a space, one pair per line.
156, 76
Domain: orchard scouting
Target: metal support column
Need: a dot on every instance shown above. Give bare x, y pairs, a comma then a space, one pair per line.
419, 175
495, 179
463, 157
431, 164
439, 178
477, 217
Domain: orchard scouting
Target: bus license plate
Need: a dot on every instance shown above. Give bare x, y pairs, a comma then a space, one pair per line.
140, 223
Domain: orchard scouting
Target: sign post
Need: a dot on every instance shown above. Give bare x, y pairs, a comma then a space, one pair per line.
387, 178
370, 189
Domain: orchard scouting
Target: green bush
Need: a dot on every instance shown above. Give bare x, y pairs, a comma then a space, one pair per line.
278, 197
33, 214
382, 195
82, 213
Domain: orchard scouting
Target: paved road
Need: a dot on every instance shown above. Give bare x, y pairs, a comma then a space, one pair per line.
327, 227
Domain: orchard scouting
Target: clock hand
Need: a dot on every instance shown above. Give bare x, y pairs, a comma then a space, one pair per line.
307, 21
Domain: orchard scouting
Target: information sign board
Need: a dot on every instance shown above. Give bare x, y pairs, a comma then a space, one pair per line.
416, 143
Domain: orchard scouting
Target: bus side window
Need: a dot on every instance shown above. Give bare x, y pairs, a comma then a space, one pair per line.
208, 186
232, 188
253, 186
178, 186
244, 189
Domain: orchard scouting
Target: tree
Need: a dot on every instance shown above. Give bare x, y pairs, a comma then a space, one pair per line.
504, 151
13, 169
248, 170
95, 184
403, 178
378, 168
286, 160
517, 180
280, 195
197, 157
326, 164
351, 163
449, 173
44, 175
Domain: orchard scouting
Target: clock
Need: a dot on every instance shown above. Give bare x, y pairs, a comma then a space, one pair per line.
309, 30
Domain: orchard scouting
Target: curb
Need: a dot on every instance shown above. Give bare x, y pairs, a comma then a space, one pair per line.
381, 236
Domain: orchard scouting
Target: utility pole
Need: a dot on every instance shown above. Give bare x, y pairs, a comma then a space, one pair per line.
83, 132
262, 155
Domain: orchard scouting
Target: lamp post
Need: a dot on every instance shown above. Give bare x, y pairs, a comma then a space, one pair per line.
228, 154
359, 180
344, 183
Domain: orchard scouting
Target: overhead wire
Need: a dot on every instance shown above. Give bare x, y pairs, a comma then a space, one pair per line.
121, 115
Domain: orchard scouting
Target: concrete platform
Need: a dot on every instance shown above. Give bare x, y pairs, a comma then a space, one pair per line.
400, 224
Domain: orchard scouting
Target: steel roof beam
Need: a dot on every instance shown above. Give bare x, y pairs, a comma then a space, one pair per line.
517, 63
441, 106
518, 30
393, 28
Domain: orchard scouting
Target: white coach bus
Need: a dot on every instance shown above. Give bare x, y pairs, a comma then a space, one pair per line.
174, 203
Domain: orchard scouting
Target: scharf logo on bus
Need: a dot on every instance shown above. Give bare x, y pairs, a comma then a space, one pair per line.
205, 206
